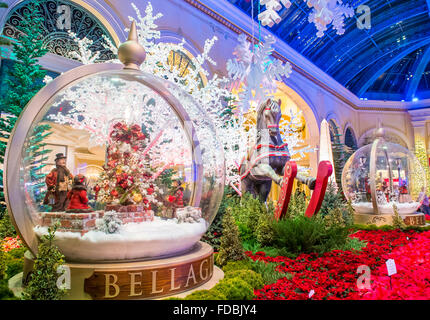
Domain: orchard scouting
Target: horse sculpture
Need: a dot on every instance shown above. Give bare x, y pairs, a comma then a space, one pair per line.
267, 158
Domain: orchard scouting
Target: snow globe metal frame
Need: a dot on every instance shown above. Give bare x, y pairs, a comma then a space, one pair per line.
373, 211
106, 280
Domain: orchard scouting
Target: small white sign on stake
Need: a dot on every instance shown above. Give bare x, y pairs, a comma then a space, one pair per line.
311, 293
391, 267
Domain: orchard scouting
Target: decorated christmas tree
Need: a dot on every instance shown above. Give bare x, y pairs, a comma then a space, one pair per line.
128, 177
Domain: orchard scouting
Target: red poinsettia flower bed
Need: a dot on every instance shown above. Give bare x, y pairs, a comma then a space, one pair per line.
412, 280
333, 275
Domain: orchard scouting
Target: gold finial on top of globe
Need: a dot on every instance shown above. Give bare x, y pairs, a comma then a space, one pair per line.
379, 132
131, 53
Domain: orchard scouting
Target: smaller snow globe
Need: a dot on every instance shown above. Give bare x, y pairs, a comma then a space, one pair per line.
383, 177
131, 168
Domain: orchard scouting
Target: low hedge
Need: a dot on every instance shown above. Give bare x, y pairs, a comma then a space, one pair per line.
372, 227
254, 279
234, 289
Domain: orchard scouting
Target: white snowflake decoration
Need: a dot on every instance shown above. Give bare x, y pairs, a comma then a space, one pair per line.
254, 74
329, 11
270, 16
324, 13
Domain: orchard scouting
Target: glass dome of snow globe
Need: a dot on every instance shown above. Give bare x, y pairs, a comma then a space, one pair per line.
381, 176
130, 167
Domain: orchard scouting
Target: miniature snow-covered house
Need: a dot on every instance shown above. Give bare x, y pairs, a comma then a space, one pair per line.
381, 178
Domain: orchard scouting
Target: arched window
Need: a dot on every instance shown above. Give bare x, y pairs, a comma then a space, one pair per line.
334, 132
350, 140
181, 61
62, 16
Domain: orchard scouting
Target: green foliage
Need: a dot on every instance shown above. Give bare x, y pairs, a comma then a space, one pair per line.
24, 81
166, 178
264, 233
6, 227
351, 245
388, 227
398, 222
214, 233
3, 264
268, 272
349, 214
335, 218
332, 199
297, 205
231, 248
306, 235
245, 264
206, 295
246, 212
5, 293
254, 279
43, 280
14, 261
234, 289
335, 209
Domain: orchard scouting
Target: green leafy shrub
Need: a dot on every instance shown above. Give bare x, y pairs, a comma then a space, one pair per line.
214, 233
14, 261
305, 235
254, 279
231, 248
245, 264
398, 222
297, 205
43, 279
2, 261
268, 272
332, 199
388, 227
6, 227
335, 207
5, 292
264, 233
335, 218
352, 244
234, 289
246, 212
206, 295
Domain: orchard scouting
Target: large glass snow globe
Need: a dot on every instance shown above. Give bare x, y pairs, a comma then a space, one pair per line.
381, 176
133, 166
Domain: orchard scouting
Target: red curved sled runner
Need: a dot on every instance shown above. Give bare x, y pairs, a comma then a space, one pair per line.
325, 169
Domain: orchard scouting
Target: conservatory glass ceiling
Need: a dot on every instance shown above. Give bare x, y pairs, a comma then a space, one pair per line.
389, 61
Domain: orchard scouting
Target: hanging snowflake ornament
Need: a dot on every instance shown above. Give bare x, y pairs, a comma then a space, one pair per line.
270, 16
254, 74
326, 12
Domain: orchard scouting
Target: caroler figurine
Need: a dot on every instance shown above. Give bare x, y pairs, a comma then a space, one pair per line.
78, 196
58, 182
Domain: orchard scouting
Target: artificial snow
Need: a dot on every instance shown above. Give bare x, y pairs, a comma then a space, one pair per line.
133, 241
403, 208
